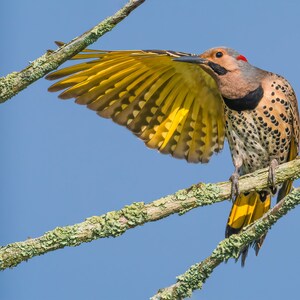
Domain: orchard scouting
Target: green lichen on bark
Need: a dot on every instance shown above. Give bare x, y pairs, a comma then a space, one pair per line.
116, 223
104, 27
231, 247
186, 283
135, 214
112, 224
7, 84
17, 81
206, 194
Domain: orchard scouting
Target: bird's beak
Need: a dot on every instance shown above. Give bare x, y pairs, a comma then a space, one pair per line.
208, 66
192, 59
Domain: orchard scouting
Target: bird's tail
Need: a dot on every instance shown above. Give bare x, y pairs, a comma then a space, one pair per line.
247, 208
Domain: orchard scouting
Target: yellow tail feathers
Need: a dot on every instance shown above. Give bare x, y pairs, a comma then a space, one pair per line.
246, 209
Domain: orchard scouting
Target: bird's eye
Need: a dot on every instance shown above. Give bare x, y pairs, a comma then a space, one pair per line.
219, 54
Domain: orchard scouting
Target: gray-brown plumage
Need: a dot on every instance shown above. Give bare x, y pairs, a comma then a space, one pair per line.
185, 105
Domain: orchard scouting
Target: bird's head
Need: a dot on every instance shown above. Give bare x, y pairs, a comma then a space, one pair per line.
222, 60
219, 61
231, 70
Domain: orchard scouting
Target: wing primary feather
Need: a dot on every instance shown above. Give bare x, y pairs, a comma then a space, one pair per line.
154, 97
180, 110
207, 139
87, 71
136, 97
168, 113
100, 63
157, 109
107, 77
119, 99
182, 134
101, 98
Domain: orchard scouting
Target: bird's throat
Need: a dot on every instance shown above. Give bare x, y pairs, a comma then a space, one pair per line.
250, 101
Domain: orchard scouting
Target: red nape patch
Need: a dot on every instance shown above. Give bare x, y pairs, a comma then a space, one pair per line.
241, 57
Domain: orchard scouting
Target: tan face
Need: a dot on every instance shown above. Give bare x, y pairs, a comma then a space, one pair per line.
233, 74
221, 57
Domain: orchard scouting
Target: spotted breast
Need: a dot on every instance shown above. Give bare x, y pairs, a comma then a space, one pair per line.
257, 136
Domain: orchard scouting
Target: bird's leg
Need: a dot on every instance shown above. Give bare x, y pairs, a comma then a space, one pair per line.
272, 175
234, 178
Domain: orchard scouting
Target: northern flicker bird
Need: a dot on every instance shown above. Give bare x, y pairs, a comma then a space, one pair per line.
185, 105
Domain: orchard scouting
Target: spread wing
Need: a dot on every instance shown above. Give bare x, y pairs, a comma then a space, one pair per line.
172, 106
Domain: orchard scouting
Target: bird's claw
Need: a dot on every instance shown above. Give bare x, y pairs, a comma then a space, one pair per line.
272, 175
235, 190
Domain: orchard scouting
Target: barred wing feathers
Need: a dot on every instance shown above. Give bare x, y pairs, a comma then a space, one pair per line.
174, 107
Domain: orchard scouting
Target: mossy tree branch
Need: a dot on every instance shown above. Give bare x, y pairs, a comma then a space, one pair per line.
197, 274
15, 82
116, 223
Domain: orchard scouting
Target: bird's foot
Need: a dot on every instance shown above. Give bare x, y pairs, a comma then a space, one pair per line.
235, 190
272, 175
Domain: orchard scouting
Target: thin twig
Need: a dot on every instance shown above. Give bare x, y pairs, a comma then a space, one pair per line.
15, 82
116, 223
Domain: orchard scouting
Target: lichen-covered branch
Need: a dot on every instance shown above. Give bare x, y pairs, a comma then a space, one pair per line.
17, 81
116, 223
197, 274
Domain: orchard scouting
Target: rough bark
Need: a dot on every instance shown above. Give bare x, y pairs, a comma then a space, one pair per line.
15, 82
116, 223
196, 275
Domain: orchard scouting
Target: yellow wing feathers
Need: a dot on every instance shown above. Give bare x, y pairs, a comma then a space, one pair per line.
172, 106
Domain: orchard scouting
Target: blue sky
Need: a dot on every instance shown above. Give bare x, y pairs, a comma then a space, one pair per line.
61, 163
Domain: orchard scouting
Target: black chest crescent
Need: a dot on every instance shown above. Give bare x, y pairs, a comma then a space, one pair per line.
248, 102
